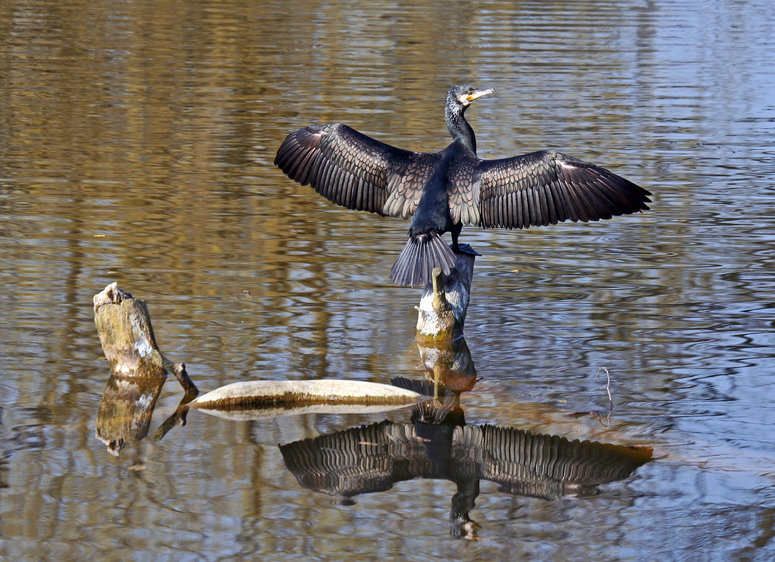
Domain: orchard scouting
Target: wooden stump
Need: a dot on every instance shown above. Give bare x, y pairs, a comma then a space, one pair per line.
138, 371
127, 339
443, 307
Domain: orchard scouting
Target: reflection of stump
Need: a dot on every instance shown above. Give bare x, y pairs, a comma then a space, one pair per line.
449, 366
127, 338
442, 310
125, 411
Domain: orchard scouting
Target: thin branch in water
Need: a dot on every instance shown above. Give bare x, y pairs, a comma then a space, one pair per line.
607, 385
608, 390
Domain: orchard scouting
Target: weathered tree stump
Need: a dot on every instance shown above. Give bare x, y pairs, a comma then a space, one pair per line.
138, 371
443, 307
127, 339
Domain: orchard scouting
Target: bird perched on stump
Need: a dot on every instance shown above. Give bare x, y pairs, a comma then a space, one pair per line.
444, 190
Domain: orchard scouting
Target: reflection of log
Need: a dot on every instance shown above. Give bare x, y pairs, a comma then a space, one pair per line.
449, 365
124, 326
449, 371
442, 310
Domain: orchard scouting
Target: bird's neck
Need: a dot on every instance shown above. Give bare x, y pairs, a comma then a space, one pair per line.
459, 128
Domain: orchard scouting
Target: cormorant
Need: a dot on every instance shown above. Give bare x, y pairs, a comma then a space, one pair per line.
442, 191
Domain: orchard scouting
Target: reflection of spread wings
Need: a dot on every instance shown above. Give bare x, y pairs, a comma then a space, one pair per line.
549, 466
356, 171
538, 189
374, 457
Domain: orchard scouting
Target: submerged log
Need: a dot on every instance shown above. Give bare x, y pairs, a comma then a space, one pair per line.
127, 339
443, 307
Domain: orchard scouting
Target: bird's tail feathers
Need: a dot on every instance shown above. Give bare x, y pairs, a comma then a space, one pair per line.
421, 253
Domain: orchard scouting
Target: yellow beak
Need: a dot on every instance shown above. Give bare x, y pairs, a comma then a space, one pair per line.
478, 94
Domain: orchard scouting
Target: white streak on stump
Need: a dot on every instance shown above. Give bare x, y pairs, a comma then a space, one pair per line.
443, 307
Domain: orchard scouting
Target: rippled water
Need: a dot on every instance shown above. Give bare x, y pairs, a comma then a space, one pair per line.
136, 145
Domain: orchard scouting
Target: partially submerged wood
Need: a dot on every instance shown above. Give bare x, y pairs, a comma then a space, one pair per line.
138, 371
127, 339
443, 307
271, 397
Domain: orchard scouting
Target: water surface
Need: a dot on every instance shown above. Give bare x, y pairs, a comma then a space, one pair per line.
136, 145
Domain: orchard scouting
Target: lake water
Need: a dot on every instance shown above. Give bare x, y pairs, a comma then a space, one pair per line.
136, 145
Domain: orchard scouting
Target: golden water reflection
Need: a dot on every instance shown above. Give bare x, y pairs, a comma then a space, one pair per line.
435, 444
136, 144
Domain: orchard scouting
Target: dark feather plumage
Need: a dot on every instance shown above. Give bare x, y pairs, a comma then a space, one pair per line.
547, 187
418, 258
442, 191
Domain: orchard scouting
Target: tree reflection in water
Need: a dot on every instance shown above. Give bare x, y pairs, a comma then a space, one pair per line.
126, 408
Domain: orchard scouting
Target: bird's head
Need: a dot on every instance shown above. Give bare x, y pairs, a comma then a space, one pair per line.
464, 95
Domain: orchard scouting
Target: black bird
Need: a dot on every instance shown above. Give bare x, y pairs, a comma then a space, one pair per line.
442, 191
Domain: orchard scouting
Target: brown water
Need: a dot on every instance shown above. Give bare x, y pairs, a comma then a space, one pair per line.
136, 145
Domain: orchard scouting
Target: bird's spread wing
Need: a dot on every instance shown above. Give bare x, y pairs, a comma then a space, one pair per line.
355, 171
547, 187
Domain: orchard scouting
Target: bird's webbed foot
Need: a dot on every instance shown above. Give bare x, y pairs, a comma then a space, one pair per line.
464, 249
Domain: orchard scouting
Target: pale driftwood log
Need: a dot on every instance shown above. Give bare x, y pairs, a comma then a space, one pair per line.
443, 307
257, 399
127, 339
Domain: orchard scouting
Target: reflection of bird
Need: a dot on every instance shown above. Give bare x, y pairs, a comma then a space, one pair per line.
442, 191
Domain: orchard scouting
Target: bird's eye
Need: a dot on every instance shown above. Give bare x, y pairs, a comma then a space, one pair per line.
470, 90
